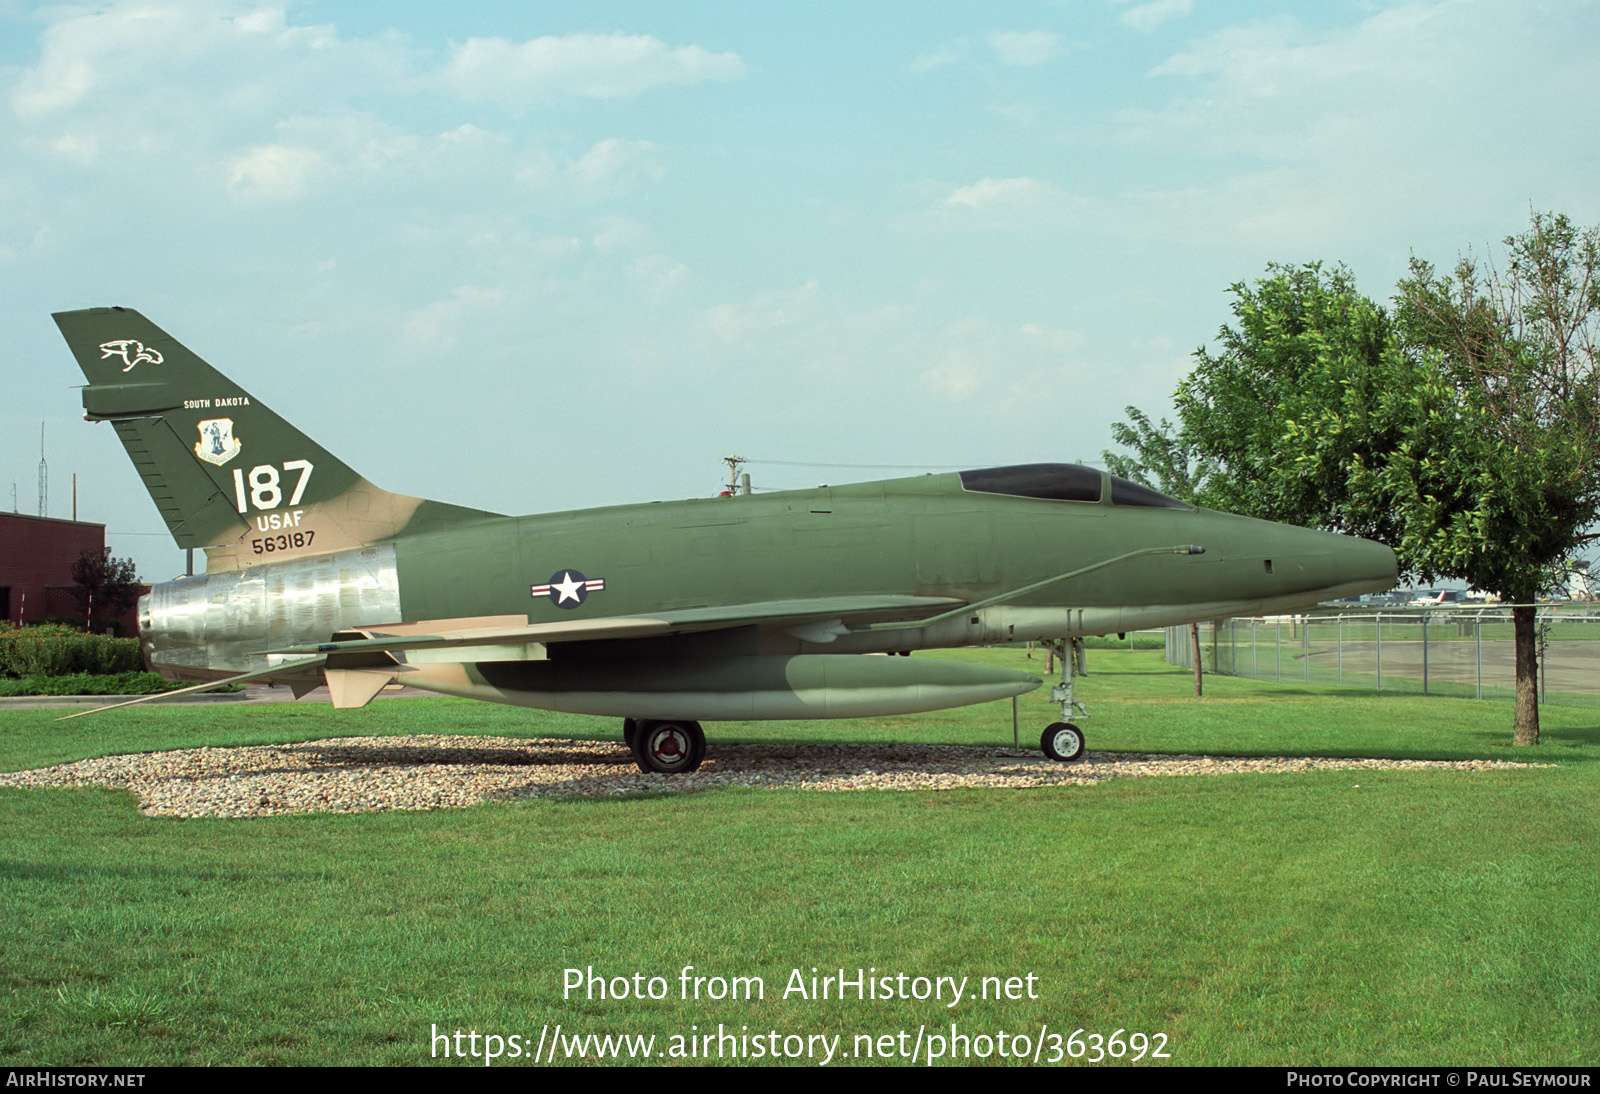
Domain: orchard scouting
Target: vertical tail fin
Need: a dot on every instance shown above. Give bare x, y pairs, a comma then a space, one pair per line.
228, 474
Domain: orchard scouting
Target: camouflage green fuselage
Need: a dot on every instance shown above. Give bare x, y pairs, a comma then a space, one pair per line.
922, 537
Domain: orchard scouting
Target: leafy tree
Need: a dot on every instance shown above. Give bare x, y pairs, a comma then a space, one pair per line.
1519, 348
1160, 460
112, 583
1308, 349
1463, 430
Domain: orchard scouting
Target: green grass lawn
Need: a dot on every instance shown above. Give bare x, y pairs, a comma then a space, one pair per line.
1342, 918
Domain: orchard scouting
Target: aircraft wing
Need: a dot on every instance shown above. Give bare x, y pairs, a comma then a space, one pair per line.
787, 614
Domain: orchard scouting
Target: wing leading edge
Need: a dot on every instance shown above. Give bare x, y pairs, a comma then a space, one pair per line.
436, 634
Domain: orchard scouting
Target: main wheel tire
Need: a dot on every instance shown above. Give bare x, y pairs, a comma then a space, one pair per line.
668, 748
1062, 741
630, 730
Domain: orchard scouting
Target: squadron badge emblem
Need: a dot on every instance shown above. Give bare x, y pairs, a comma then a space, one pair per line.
217, 444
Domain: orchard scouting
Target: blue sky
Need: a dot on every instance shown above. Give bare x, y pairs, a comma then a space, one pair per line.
533, 257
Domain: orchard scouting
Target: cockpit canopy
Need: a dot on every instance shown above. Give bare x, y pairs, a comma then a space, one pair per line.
1064, 482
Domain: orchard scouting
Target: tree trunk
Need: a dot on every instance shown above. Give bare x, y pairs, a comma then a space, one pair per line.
1525, 628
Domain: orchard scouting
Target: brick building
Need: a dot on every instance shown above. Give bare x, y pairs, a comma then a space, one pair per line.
36, 557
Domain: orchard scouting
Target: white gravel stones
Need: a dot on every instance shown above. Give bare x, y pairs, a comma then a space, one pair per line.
358, 774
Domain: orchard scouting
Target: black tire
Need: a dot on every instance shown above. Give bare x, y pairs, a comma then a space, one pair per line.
668, 748
1062, 741
630, 729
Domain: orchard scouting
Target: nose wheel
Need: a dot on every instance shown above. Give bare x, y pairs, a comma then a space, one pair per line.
1062, 741
665, 748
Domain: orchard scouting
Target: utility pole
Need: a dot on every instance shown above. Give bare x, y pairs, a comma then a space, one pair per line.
44, 477
1194, 648
735, 484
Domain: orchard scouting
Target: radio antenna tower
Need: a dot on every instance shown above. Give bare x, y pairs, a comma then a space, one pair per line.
44, 477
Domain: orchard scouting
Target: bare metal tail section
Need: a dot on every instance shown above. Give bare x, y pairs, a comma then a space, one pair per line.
227, 473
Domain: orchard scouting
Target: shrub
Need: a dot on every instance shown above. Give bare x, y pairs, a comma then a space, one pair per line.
122, 683
55, 650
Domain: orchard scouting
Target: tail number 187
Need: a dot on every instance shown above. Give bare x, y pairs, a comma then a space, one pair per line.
265, 486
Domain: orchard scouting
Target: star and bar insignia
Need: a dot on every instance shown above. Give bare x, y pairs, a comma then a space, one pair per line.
568, 589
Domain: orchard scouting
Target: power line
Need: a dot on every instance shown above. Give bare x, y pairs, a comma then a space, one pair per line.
869, 466
898, 466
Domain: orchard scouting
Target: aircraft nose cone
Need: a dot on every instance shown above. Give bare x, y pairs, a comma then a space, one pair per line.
1371, 562
1282, 560
1339, 566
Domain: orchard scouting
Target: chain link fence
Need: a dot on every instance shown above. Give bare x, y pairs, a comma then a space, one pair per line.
1466, 651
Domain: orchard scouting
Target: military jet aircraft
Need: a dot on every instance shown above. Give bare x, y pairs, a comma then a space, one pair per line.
664, 614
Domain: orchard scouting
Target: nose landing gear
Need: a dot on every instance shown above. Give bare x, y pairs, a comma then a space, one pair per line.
1062, 740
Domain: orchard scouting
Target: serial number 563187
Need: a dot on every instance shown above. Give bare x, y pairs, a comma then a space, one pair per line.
287, 541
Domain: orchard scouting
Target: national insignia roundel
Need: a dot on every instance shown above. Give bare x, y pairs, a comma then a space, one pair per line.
568, 589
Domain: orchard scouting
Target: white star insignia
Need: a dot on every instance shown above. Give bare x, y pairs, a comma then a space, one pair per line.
568, 588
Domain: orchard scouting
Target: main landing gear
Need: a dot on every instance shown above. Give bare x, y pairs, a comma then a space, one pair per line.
664, 748
1062, 740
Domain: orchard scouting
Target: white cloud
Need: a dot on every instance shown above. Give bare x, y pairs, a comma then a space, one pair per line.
618, 233
935, 58
1016, 113
1293, 136
1007, 203
999, 203
595, 66
1007, 365
762, 313
184, 97
1002, 195
436, 327
1058, 340
957, 377
658, 275
1023, 49
600, 172
54, 85
129, 51
467, 135
608, 159
1013, 48
311, 151
1260, 60
273, 172
1147, 17
82, 147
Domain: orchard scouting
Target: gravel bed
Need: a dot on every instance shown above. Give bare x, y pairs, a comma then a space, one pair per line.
360, 774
